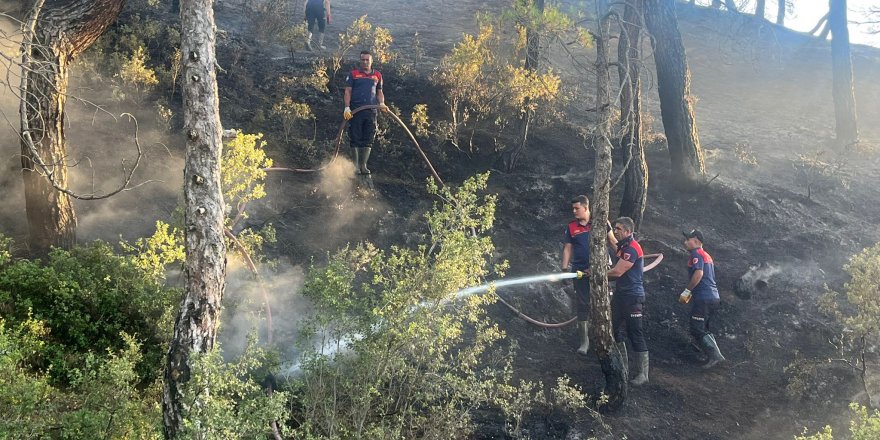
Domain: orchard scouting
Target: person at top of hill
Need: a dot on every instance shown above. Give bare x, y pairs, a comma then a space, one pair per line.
316, 12
576, 257
629, 297
363, 86
702, 293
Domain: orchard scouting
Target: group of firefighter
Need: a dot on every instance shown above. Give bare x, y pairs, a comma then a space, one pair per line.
628, 296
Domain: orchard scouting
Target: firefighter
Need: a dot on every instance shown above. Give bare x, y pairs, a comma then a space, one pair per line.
576, 257
629, 297
702, 293
363, 86
316, 12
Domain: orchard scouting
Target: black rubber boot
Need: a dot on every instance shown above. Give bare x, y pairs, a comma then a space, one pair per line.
711, 348
365, 156
357, 160
642, 377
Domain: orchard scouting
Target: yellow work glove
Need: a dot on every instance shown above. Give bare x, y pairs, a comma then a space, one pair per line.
685, 296
347, 114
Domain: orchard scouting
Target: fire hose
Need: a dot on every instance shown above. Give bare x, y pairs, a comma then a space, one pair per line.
341, 131
657, 259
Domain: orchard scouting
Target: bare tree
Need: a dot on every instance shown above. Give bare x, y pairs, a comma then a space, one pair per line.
600, 308
56, 32
847, 131
674, 86
824, 26
195, 329
781, 8
629, 58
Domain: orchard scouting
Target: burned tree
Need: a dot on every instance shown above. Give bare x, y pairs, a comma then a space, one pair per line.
761, 8
533, 55
600, 308
846, 129
56, 32
674, 86
195, 328
635, 190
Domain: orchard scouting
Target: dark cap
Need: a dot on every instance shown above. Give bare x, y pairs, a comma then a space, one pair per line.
694, 233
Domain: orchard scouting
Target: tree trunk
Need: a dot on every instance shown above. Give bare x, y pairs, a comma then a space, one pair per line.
761, 7
533, 56
847, 131
195, 329
62, 30
674, 87
731, 6
635, 190
780, 12
600, 307
716, 4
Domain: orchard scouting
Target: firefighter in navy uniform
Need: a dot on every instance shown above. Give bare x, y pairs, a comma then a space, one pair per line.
576, 257
702, 293
629, 297
363, 86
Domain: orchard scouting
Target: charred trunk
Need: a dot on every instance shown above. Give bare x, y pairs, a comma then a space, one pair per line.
846, 130
674, 86
635, 190
600, 308
761, 8
780, 12
61, 31
195, 328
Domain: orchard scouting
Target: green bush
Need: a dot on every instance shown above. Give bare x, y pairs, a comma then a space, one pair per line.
863, 426
86, 297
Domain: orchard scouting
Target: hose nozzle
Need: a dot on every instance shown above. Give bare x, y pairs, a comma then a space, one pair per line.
579, 274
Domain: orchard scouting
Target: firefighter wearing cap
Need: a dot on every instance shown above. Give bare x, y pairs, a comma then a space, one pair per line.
363, 86
702, 293
629, 297
576, 258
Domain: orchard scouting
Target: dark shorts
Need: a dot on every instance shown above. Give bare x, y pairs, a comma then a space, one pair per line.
362, 129
316, 16
626, 320
701, 312
582, 297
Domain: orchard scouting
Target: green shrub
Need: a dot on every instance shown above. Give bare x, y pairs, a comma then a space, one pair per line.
863, 426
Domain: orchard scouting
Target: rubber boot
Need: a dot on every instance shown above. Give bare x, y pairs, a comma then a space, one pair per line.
711, 348
321, 40
642, 377
309, 42
624, 358
365, 156
357, 160
584, 333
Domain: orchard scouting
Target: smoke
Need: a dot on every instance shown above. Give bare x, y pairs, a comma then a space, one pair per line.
780, 277
245, 310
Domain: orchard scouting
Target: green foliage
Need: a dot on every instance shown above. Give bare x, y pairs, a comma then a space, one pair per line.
361, 34
290, 112
153, 254
136, 75
516, 401
241, 174
864, 425
86, 297
392, 359
419, 120
102, 400
225, 401
294, 36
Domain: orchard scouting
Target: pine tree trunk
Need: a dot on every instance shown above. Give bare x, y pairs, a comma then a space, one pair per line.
731, 5
761, 8
195, 329
600, 307
63, 30
780, 12
674, 86
635, 178
847, 131
716, 4
533, 56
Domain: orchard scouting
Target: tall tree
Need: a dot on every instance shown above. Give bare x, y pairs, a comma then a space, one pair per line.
781, 7
58, 31
635, 190
674, 86
847, 130
761, 8
533, 57
600, 308
195, 329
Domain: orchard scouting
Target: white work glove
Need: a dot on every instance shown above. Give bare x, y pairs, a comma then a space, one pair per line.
347, 114
685, 296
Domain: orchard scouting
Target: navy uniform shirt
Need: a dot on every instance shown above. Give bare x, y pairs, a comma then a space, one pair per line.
579, 237
706, 288
363, 87
630, 283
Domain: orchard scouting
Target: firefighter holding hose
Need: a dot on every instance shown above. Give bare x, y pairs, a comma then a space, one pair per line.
363, 86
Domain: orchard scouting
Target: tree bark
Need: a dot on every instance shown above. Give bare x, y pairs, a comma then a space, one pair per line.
600, 307
716, 4
195, 328
847, 131
730, 5
780, 12
761, 8
674, 87
533, 56
62, 30
635, 178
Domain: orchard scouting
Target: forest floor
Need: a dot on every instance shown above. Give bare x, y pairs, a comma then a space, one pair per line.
760, 90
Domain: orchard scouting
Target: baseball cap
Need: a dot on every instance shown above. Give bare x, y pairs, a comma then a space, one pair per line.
694, 233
